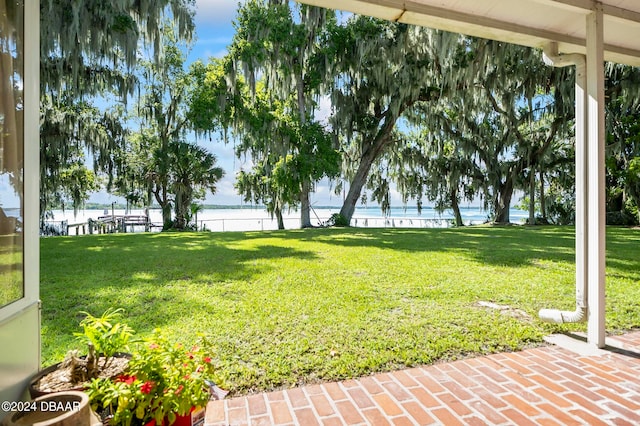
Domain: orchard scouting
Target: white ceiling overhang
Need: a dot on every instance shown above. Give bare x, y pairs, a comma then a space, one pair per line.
533, 23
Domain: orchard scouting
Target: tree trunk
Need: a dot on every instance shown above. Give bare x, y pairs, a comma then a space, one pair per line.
366, 160
532, 197
167, 223
305, 206
182, 211
279, 218
455, 206
165, 205
502, 203
180, 222
543, 203
356, 185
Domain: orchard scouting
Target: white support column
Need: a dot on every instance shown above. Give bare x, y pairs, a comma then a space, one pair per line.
595, 178
31, 198
581, 130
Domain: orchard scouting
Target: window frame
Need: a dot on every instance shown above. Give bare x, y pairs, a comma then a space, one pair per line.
31, 172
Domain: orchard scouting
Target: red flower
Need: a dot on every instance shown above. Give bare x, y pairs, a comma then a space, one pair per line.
147, 387
177, 391
153, 346
207, 359
125, 378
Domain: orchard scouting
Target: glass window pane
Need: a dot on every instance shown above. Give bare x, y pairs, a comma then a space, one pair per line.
11, 149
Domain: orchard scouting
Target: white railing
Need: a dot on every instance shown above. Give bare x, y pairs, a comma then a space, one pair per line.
262, 224
251, 224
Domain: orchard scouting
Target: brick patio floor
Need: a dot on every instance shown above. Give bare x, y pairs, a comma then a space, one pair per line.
549, 385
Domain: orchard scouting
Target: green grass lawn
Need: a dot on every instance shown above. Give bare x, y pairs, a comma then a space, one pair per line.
293, 307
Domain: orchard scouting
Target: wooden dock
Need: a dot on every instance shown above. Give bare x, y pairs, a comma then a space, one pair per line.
108, 224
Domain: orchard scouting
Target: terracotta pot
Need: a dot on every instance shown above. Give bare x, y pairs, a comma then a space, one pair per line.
68, 408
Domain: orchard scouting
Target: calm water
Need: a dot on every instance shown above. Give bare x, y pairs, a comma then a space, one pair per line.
255, 219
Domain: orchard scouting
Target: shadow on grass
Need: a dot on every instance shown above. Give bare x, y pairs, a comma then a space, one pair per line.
145, 273
508, 246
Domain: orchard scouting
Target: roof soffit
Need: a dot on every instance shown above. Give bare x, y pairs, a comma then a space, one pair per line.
533, 23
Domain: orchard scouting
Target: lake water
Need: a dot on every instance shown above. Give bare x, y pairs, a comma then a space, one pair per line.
256, 219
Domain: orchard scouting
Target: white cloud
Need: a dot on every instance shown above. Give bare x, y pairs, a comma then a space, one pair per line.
225, 194
214, 41
210, 12
343, 17
219, 54
324, 110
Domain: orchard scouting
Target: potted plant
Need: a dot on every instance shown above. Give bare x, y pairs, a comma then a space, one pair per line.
164, 383
106, 341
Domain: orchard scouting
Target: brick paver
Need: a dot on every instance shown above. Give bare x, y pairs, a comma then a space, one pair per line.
542, 386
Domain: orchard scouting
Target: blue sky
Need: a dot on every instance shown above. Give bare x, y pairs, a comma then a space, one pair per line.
214, 27
214, 31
